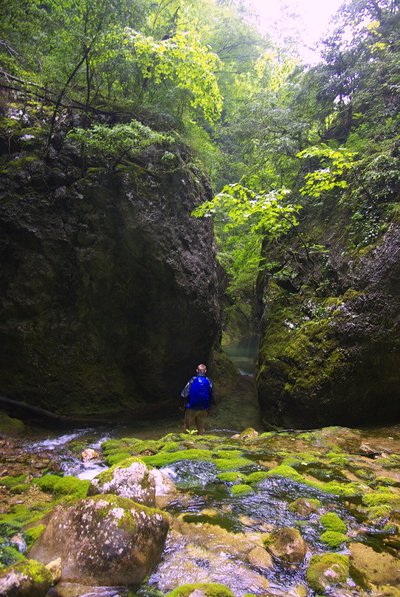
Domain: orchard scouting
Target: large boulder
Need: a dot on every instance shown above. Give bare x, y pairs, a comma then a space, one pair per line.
109, 288
330, 346
103, 540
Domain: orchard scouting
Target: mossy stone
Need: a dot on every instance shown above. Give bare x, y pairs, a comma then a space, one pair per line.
26, 578
327, 571
241, 489
332, 522
208, 589
333, 539
10, 426
63, 485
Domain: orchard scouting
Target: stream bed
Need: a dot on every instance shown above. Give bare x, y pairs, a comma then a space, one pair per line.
234, 493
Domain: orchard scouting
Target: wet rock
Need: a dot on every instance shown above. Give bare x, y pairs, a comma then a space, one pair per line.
90, 454
207, 553
26, 579
136, 481
19, 542
288, 545
65, 589
55, 570
115, 541
305, 506
248, 434
260, 558
375, 568
328, 572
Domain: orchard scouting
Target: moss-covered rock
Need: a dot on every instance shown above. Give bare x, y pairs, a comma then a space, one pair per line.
26, 579
332, 522
10, 426
327, 355
116, 541
206, 589
327, 571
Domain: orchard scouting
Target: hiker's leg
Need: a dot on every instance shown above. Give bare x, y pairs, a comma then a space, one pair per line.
201, 416
188, 420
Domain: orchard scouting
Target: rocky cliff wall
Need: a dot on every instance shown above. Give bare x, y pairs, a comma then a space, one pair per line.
109, 291
330, 348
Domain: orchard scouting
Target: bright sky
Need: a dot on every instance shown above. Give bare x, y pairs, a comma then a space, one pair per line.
313, 21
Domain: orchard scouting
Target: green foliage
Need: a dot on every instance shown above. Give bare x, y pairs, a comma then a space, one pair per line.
243, 218
118, 143
336, 164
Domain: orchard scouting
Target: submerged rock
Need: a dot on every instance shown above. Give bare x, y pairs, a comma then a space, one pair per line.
103, 540
287, 545
375, 568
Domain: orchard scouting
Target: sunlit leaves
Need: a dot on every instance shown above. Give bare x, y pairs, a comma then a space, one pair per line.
334, 165
243, 218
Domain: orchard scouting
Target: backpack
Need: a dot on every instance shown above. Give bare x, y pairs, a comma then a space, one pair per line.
199, 393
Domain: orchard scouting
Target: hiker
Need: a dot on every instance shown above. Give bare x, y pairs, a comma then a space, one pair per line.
197, 397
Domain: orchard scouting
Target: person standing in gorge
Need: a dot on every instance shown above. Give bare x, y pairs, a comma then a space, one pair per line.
197, 397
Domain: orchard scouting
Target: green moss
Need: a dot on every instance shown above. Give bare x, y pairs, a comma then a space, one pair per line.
327, 570
10, 426
10, 555
337, 459
33, 533
332, 522
230, 477
333, 539
286, 471
256, 477
63, 485
112, 459
209, 589
379, 512
381, 498
10, 482
226, 464
37, 572
165, 458
332, 487
241, 489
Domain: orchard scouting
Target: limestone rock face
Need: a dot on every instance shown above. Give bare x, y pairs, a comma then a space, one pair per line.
109, 288
103, 540
330, 346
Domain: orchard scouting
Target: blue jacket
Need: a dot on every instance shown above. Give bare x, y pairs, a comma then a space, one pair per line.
199, 392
